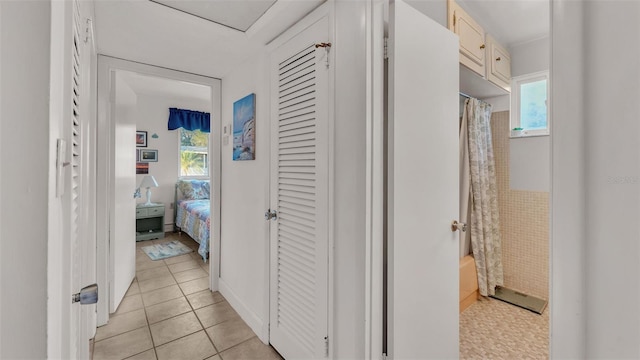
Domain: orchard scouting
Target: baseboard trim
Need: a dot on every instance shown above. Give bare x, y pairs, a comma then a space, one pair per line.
251, 318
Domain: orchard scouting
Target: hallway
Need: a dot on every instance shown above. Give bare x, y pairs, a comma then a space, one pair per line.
169, 313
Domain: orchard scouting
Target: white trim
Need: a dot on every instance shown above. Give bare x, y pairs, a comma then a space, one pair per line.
261, 328
514, 118
58, 266
106, 65
331, 154
374, 179
1, 336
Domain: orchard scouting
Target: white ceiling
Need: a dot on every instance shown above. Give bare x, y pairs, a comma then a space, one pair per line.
511, 21
151, 85
236, 14
155, 34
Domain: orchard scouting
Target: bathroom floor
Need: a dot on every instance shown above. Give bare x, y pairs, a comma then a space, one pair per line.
492, 329
169, 313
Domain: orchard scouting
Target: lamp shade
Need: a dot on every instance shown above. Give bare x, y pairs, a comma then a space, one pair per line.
148, 182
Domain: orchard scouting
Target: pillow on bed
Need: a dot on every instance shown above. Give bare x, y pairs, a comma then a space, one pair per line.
194, 189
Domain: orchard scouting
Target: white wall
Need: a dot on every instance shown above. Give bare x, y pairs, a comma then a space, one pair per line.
529, 161
568, 235
529, 57
244, 248
435, 9
153, 115
499, 103
612, 178
24, 149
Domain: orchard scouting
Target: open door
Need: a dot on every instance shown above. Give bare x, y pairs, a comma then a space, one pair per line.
122, 224
71, 260
423, 190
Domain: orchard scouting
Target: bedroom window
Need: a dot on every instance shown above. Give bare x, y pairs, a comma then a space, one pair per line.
194, 153
529, 105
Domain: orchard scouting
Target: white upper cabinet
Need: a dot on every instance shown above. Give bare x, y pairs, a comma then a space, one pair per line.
498, 64
472, 38
479, 52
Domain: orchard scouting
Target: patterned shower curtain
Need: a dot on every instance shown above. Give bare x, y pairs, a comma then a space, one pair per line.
485, 225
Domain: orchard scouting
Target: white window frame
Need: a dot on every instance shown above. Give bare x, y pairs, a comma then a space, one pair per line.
198, 177
516, 82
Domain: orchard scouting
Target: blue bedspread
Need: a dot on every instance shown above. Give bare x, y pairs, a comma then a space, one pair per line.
194, 218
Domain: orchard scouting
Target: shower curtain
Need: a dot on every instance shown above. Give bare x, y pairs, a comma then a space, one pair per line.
479, 165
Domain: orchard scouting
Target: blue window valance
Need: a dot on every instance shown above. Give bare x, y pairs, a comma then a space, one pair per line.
189, 120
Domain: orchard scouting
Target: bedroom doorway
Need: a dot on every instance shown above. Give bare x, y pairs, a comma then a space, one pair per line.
133, 102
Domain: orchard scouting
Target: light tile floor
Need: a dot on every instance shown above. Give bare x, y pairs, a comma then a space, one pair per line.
169, 313
493, 329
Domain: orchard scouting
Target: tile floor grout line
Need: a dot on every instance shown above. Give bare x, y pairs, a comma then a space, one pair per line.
215, 300
153, 343
118, 334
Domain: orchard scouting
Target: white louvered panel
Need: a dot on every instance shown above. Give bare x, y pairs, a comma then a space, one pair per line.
299, 188
298, 123
75, 132
296, 115
297, 191
297, 144
305, 252
301, 307
293, 175
288, 216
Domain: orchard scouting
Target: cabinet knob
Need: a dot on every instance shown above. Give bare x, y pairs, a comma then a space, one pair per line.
482, 46
498, 58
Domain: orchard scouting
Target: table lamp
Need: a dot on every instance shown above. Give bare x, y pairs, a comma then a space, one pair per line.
148, 182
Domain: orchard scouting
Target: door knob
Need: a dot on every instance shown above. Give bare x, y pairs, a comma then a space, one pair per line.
455, 225
268, 215
88, 295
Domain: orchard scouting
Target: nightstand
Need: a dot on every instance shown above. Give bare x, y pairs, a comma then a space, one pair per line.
149, 221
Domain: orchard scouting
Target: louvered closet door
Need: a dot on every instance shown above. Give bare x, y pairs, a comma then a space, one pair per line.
78, 338
299, 194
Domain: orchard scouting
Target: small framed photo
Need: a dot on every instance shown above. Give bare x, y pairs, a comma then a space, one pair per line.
141, 138
148, 155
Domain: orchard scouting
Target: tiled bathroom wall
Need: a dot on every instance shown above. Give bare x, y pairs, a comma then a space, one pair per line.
524, 222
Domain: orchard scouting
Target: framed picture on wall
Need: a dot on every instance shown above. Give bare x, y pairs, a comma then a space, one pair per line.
244, 125
142, 168
141, 138
148, 155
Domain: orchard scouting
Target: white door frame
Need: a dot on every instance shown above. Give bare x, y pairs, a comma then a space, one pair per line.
375, 193
106, 65
566, 303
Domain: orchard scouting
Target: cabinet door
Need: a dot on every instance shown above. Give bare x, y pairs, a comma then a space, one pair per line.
472, 45
499, 70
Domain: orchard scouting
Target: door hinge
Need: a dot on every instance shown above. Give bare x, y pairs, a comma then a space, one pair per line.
326, 346
454, 20
326, 47
386, 48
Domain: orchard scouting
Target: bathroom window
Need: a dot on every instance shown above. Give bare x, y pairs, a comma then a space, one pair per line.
530, 105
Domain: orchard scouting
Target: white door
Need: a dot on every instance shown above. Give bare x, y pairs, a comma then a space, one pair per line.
423, 187
299, 195
123, 212
73, 183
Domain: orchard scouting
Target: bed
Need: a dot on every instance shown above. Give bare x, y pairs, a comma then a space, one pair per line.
193, 215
